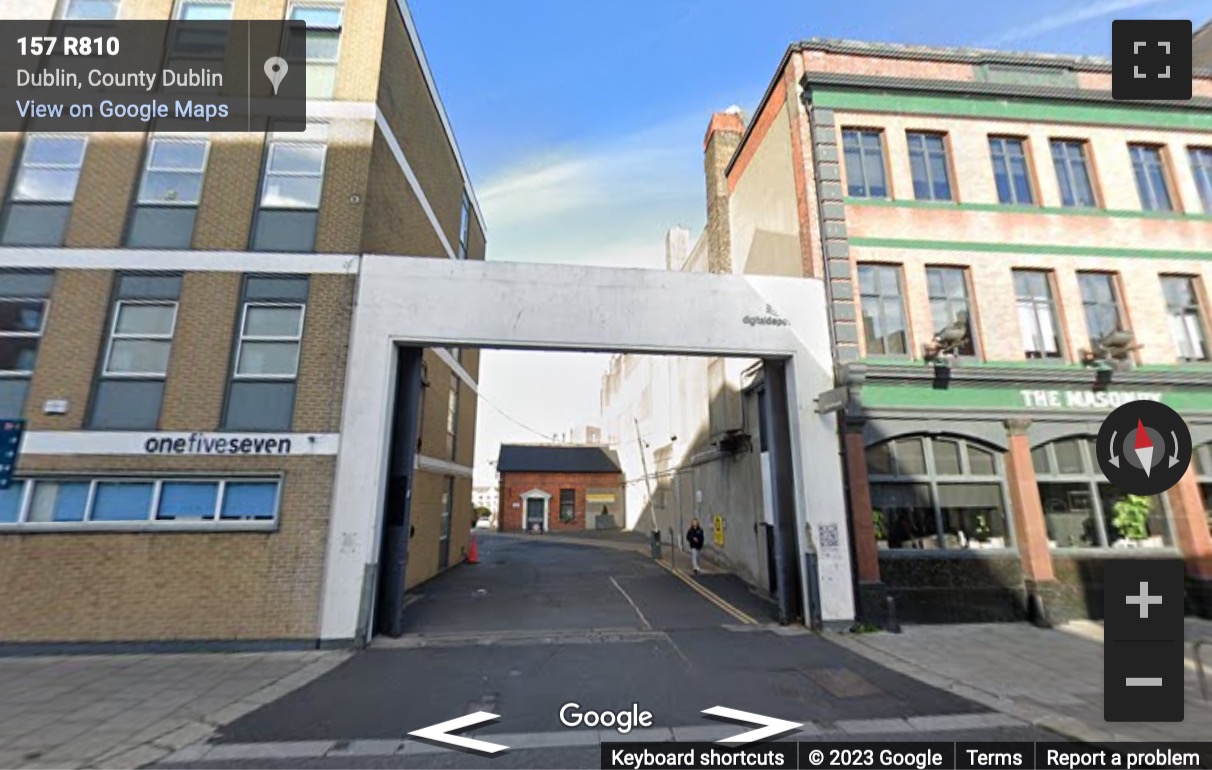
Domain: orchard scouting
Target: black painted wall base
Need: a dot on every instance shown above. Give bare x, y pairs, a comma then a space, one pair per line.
1199, 597
872, 604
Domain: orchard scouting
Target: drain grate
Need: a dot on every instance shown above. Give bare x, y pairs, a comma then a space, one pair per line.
841, 682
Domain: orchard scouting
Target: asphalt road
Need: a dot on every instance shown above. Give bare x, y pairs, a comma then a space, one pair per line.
537, 625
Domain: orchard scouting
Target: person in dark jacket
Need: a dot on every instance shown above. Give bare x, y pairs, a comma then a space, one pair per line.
694, 538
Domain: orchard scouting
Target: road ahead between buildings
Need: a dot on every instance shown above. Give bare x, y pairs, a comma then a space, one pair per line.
540, 624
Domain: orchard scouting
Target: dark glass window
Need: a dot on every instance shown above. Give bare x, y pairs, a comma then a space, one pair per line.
930, 168
23, 308
1150, 170
1100, 300
265, 366
948, 290
1073, 173
568, 505
291, 185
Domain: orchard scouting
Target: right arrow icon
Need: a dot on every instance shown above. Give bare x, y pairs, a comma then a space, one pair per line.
770, 726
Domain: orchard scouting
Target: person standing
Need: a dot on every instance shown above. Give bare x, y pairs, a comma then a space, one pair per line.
694, 538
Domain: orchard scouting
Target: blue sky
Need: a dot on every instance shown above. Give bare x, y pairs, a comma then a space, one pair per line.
581, 125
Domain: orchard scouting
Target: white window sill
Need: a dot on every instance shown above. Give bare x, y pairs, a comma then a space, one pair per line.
44, 527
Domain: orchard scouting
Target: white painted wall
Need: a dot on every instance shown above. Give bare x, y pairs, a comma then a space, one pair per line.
442, 302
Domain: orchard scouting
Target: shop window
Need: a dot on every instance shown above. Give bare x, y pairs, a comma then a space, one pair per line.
138, 501
568, 506
932, 492
1082, 510
865, 171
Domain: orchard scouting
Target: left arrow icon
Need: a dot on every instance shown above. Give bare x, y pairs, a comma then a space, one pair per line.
770, 726
441, 733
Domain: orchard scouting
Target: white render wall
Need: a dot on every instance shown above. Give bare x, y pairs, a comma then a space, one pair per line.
416, 301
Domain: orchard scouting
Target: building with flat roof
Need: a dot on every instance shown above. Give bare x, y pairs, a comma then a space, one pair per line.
176, 315
1009, 254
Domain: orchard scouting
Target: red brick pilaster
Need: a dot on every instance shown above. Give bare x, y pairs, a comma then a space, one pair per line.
865, 552
1025, 506
1191, 525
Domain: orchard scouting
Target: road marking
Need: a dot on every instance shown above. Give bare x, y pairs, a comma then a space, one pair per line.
644, 620
209, 753
711, 596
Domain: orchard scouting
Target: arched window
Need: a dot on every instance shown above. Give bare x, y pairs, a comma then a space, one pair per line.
936, 492
1202, 457
1083, 510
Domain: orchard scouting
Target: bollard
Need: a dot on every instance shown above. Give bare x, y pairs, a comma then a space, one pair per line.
656, 544
891, 622
1037, 612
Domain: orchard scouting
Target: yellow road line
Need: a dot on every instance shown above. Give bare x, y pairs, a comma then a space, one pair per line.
711, 596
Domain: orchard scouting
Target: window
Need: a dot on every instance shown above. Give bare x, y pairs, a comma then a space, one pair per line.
452, 415
200, 46
1080, 507
290, 191
464, 226
1073, 173
1037, 314
130, 384
444, 527
105, 10
1010, 172
323, 45
41, 198
930, 492
168, 194
948, 290
265, 363
1186, 319
1150, 170
1201, 169
928, 162
23, 306
865, 176
1100, 300
205, 10
568, 506
138, 501
883, 310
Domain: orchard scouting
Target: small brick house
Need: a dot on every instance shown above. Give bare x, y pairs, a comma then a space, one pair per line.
559, 488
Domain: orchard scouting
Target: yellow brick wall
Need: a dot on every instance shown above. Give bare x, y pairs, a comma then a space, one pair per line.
111, 163
67, 354
200, 362
323, 357
229, 192
172, 586
10, 146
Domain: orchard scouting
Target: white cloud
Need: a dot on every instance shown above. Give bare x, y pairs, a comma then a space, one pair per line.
1081, 12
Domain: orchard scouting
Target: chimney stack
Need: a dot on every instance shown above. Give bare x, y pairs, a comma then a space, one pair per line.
723, 137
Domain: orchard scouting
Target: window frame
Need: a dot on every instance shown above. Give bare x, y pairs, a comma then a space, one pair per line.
148, 170
860, 131
1062, 351
339, 6
1087, 166
1201, 321
572, 504
898, 270
1025, 144
22, 165
944, 139
22, 373
966, 276
114, 335
241, 338
1200, 158
1117, 299
464, 226
151, 522
1136, 149
933, 480
67, 4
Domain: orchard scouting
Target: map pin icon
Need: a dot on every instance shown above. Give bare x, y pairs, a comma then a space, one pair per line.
275, 70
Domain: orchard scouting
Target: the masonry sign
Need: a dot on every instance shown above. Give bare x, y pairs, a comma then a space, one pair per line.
1083, 399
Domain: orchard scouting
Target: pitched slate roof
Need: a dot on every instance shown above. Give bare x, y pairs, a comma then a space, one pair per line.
557, 458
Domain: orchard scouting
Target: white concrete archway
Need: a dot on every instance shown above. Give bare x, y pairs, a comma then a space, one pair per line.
432, 302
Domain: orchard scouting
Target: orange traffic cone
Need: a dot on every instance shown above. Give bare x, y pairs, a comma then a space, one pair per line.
473, 553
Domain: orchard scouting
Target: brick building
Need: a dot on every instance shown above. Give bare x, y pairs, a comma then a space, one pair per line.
559, 487
176, 310
991, 227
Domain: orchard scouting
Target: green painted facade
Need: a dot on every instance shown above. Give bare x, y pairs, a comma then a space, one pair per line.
1013, 108
1027, 248
1001, 208
1058, 399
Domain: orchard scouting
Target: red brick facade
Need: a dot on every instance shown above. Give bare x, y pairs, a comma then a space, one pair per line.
516, 484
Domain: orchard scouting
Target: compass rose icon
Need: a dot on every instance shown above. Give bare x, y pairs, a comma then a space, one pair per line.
1144, 447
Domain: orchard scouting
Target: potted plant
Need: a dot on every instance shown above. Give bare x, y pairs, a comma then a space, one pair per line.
1131, 519
880, 526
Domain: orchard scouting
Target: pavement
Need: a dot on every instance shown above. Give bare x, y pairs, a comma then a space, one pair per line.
543, 622
1052, 678
124, 711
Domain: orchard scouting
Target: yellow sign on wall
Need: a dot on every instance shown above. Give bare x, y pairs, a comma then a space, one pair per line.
718, 528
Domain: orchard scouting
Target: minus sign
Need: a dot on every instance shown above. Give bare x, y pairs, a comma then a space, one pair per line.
1143, 681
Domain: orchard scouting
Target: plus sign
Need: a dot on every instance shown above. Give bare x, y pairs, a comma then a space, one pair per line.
1144, 600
